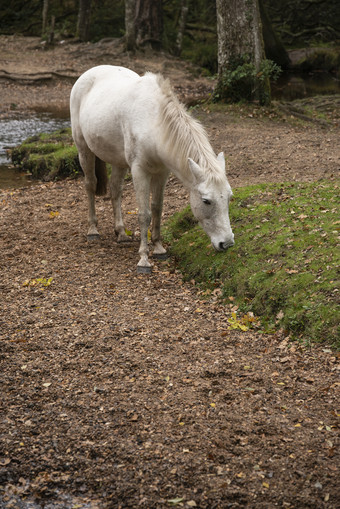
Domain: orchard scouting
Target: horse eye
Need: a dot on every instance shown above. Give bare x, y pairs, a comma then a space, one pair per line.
206, 201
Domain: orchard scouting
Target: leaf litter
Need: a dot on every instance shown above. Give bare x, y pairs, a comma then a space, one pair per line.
139, 342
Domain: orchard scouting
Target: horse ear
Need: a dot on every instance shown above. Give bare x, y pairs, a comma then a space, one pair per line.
196, 171
221, 160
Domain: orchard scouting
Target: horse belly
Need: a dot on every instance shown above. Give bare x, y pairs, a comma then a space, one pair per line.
104, 136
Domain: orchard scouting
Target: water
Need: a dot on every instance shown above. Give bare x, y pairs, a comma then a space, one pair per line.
291, 86
14, 131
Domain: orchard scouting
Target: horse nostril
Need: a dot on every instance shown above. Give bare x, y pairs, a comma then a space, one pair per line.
223, 246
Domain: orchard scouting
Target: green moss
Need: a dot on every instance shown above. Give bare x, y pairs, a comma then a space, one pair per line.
283, 266
48, 156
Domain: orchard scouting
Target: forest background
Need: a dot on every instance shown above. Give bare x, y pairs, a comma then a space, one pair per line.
296, 23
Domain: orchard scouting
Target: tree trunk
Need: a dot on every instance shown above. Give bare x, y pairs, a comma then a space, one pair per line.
181, 28
149, 23
240, 52
83, 25
273, 46
44, 17
50, 38
130, 32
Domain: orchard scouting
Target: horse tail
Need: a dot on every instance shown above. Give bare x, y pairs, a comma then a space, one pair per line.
101, 175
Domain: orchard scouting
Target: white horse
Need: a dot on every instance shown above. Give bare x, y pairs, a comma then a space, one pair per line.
130, 121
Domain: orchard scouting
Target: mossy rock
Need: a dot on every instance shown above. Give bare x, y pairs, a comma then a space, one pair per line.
321, 59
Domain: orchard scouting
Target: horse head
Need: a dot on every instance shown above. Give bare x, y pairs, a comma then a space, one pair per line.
209, 200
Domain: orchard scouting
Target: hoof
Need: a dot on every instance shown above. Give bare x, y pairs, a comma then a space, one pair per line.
122, 238
160, 256
143, 270
128, 240
93, 237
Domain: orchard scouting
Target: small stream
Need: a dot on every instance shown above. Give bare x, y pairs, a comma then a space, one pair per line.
14, 131
291, 86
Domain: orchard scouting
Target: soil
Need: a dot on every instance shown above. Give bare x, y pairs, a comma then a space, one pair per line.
122, 390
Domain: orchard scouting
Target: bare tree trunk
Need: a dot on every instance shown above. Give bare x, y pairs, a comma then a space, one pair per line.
274, 48
181, 28
83, 25
149, 23
50, 39
44, 17
240, 51
130, 32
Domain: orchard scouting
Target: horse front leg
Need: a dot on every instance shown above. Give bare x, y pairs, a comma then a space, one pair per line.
157, 188
116, 188
141, 181
87, 162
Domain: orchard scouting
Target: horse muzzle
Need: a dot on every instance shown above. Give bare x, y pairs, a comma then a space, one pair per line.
223, 246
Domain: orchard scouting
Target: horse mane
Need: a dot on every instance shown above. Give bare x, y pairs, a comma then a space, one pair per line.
184, 136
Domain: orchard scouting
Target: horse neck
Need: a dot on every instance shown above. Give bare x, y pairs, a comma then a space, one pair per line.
183, 138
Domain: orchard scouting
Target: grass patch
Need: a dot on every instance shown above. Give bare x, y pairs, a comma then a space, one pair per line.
283, 266
48, 156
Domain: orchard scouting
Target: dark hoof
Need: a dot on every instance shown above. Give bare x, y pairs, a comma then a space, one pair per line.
160, 256
143, 270
128, 240
93, 237
124, 239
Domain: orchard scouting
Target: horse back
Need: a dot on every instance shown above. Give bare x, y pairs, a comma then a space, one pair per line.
115, 112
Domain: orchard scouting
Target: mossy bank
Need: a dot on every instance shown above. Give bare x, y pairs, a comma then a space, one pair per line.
283, 266
48, 156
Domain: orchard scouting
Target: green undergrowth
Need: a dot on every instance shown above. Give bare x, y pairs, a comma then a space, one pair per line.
283, 267
48, 156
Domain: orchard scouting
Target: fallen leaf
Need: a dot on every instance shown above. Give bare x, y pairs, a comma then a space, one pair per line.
175, 501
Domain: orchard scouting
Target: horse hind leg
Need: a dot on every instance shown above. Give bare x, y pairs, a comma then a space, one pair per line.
116, 188
87, 162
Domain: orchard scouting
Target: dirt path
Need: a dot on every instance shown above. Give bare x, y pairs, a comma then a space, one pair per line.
131, 391
120, 390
